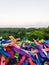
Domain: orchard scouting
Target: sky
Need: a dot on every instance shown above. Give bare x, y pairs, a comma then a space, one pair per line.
24, 13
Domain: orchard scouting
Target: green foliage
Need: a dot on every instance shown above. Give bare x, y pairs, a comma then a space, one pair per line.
30, 33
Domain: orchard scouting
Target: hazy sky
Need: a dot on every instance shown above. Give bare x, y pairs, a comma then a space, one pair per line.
24, 13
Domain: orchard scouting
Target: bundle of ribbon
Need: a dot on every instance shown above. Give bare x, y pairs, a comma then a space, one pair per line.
24, 52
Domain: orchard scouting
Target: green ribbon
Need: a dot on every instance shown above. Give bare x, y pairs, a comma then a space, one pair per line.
16, 56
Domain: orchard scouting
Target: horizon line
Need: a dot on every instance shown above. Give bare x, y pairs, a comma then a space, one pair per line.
23, 26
